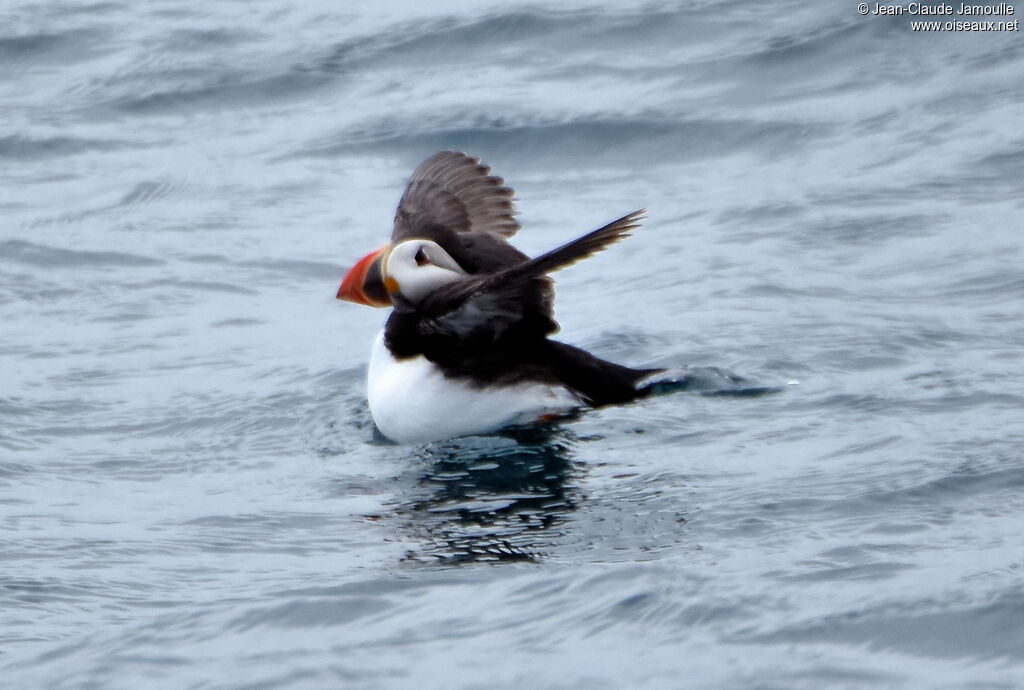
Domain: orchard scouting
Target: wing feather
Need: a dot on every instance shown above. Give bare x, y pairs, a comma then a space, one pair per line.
486, 309
452, 192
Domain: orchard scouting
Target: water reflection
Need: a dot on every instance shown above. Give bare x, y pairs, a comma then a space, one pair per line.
493, 498
503, 497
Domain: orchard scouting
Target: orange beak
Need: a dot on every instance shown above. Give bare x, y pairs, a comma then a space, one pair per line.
364, 283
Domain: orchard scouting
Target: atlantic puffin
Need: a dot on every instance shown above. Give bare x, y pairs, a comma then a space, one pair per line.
466, 349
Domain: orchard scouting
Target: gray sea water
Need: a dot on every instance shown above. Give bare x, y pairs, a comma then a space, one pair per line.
191, 491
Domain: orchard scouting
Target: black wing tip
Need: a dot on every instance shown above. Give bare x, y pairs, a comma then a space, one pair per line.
632, 220
580, 248
617, 229
621, 227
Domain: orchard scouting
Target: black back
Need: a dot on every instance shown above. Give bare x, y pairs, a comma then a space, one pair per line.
492, 329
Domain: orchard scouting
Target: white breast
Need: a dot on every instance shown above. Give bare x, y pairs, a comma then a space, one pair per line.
413, 402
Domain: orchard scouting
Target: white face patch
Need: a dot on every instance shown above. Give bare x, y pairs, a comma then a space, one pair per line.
418, 267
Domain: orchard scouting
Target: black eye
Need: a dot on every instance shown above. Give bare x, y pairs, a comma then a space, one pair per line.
421, 258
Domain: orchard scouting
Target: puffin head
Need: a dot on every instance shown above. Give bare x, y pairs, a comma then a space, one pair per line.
401, 275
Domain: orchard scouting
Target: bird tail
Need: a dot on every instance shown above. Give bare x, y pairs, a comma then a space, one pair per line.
598, 381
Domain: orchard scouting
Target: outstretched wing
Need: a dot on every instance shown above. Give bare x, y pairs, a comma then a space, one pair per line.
484, 310
454, 192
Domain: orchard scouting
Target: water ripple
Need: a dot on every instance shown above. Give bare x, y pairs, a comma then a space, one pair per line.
43, 256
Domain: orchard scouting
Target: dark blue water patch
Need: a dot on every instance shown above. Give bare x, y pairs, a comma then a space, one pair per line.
828, 676
994, 176
945, 630
314, 270
651, 599
897, 53
967, 186
189, 421
217, 90
128, 313
432, 41
707, 381
142, 193
498, 498
29, 596
86, 9
20, 251
206, 258
596, 140
310, 613
15, 407
112, 430
43, 48
991, 176
817, 46
633, 345
460, 41
863, 361
149, 191
942, 398
18, 147
820, 54
751, 217
978, 98
330, 438
870, 447
194, 285
928, 503
994, 287
260, 522
28, 288
838, 54
57, 408
804, 294
971, 402
515, 37
326, 384
864, 230
650, 27
237, 323
195, 40
10, 470
1007, 164
995, 53
857, 572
